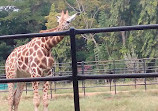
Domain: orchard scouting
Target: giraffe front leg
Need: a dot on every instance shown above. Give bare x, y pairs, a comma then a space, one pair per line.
45, 96
17, 95
36, 98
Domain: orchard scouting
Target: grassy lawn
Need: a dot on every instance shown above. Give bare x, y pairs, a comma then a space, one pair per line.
97, 99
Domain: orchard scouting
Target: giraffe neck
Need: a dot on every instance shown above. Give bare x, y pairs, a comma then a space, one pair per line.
50, 41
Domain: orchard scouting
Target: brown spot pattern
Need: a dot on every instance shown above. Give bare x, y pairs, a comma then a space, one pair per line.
40, 54
38, 43
44, 61
33, 65
24, 66
35, 47
31, 51
43, 66
24, 52
34, 54
26, 60
43, 39
37, 61
50, 62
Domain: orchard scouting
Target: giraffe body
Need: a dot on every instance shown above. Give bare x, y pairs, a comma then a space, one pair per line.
30, 60
33, 59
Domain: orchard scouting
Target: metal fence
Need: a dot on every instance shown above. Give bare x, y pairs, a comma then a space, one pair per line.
145, 65
75, 77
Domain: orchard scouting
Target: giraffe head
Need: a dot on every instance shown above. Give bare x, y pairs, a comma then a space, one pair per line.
64, 20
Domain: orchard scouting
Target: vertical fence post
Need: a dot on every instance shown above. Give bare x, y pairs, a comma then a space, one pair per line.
26, 88
110, 80
110, 84
83, 81
55, 81
114, 73
144, 66
51, 89
135, 80
74, 69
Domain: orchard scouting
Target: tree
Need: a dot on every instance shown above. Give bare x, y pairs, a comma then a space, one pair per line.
149, 39
29, 18
89, 11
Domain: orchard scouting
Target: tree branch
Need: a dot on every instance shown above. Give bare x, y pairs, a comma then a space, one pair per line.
70, 5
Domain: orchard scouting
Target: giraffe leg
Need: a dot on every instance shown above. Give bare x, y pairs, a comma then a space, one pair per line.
36, 98
45, 96
11, 96
9, 75
17, 95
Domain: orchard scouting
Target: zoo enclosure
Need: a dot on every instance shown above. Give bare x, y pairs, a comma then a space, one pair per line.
76, 77
145, 65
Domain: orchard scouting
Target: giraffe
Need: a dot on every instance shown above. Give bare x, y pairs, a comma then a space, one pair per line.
34, 59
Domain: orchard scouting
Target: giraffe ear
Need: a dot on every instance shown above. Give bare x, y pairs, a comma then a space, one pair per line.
67, 13
72, 17
62, 13
57, 17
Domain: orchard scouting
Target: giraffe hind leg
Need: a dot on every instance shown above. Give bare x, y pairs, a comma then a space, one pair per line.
14, 93
17, 95
10, 75
11, 96
14, 96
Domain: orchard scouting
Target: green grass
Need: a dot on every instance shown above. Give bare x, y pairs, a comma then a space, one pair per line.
97, 99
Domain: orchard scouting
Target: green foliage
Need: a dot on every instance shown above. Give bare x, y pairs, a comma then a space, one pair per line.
29, 18
61, 52
51, 18
4, 51
20, 42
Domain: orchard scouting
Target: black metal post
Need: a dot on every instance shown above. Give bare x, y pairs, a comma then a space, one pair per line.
83, 81
135, 80
26, 88
54, 81
144, 66
74, 69
51, 89
110, 84
110, 80
114, 73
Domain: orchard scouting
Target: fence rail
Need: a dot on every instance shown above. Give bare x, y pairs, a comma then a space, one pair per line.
75, 77
149, 65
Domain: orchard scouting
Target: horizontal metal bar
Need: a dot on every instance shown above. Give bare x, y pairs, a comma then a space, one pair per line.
117, 76
58, 78
82, 31
116, 29
18, 36
2, 77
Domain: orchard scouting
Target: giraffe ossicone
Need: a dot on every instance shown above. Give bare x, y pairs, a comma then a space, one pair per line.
34, 59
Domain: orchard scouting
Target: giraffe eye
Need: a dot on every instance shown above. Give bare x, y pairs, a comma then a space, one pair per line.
67, 22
